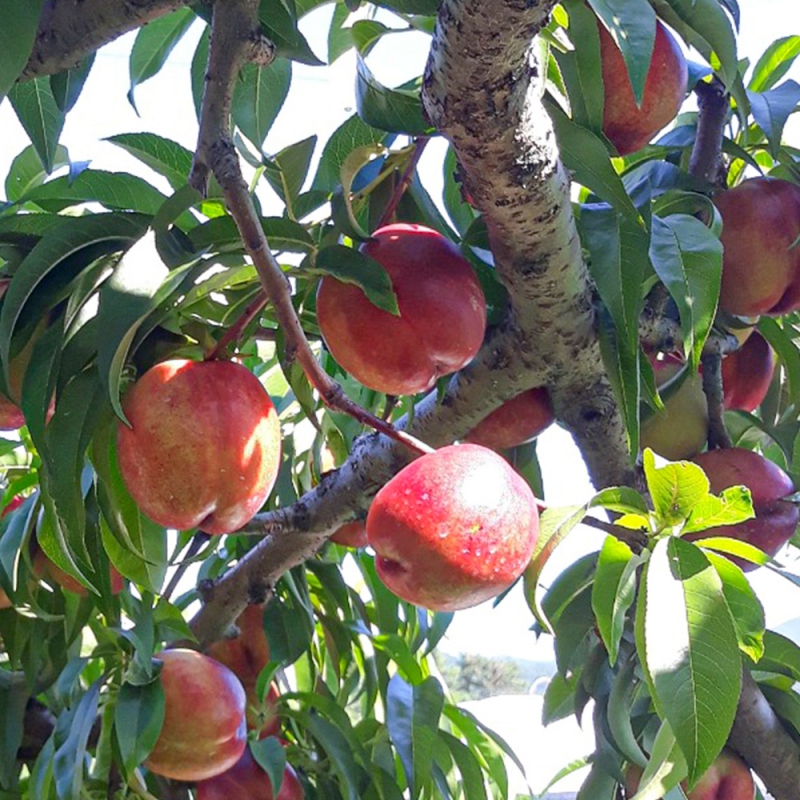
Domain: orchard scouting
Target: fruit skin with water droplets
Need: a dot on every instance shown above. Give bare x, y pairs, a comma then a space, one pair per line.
442, 313
204, 445
453, 528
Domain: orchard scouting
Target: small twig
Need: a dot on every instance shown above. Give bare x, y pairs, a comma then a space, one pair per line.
391, 404
198, 540
705, 161
712, 386
636, 540
235, 40
404, 182
234, 333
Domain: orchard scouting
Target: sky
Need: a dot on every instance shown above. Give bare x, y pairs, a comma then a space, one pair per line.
321, 99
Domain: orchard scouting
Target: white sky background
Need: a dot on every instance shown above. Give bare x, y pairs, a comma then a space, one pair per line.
320, 100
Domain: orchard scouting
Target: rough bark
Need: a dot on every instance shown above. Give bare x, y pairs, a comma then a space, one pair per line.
71, 29
483, 92
760, 738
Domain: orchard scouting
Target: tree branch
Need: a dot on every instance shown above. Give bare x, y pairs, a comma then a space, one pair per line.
760, 738
235, 40
69, 30
705, 161
757, 733
294, 533
482, 90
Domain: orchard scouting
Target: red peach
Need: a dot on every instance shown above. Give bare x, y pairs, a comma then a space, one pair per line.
516, 421
747, 374
453, 528
630, 127
776, 519
442, 313
760, 267
203, 449
204, 732
247, 781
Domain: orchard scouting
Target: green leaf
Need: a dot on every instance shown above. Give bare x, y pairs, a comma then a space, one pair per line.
705, 25
350, 135
340, 38
786, 704
69, 759
774, 63
13, 703
340, 753
613, 592
198, 71
781, 655
559, 697
492, 748
665, 769
412, 718
287, 170
688, 259
258, 98
624, 692
352, 266
113, 232
167, 158
735, 505
154, 42
138, 718
587, 157
139, 284
632, 25
80, 405
622, 369
270, 755
114, 190
26, 171
425, 7
695, 672
458, 209
136, 546
618, 264
17, 35
580, 67
394, 110
280, 26
67, 85
746, 608
621, 499
366, 33
674, 488
40, 116
554, 526
220, 233
472, 780
771, 110
780, 335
